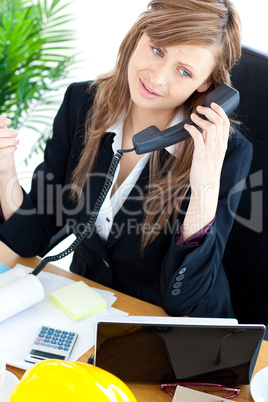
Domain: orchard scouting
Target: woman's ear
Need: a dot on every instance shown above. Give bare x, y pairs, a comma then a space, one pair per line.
203, 87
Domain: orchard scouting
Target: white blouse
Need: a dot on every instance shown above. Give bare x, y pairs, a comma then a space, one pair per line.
112, 205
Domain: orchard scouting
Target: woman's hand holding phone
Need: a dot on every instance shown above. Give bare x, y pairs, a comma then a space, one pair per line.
210, 145
209, 150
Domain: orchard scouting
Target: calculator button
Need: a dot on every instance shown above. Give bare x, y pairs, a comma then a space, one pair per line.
53, 342
70, 338
58, 331
67, 345
68, 341
45, 328
37, 342
49, 345
54, 346
46, 340
65, 332
60, 347
66, 349
43, 344
55, 338
39, 338
71, 333
60, 343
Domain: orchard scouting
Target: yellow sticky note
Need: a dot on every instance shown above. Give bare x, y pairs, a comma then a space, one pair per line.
78, 300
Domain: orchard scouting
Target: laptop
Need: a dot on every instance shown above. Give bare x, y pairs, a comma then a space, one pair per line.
173, 349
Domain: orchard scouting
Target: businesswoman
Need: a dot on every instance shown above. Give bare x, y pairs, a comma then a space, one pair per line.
162, 229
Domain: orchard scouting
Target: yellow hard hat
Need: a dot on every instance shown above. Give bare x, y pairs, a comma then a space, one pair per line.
56, 380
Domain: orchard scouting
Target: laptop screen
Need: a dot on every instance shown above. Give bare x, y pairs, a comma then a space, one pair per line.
168, 353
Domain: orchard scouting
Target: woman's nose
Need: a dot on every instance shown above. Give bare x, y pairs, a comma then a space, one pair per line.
159, 75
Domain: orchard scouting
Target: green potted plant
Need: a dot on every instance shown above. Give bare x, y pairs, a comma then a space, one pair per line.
34, 48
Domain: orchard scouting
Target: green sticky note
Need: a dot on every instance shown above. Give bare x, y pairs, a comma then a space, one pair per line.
78, 300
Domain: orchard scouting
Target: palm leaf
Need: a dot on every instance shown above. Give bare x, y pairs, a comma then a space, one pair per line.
33, 61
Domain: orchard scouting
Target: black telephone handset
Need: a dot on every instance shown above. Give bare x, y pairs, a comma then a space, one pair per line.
152, 138
145, 141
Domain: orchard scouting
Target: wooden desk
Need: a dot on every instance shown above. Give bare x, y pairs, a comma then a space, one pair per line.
133, 307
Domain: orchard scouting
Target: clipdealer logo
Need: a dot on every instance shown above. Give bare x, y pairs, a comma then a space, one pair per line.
255, 187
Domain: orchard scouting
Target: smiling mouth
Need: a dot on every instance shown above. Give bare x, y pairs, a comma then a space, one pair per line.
151, 91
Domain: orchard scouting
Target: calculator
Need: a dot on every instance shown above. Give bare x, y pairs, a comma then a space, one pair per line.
51, 343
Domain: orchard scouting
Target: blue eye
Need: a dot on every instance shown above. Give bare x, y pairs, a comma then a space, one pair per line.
184, 73
157, 51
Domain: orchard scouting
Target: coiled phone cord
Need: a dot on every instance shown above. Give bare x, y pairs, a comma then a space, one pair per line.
90, 224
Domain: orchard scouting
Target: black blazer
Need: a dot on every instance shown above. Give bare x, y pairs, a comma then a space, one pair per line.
184, 280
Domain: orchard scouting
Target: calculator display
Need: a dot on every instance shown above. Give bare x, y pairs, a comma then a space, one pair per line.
46, 354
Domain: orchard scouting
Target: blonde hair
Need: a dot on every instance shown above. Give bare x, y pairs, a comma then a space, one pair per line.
167, 23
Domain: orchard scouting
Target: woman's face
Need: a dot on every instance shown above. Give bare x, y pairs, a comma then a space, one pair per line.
160, 79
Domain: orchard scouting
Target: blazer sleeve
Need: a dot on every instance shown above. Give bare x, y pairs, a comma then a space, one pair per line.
29, 230
189, 272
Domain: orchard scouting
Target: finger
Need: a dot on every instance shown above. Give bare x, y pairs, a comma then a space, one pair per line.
226, 121
8, 133
211, 115
216, 115
205, 125
219, 110
7, 151
8, 142
4, 122
196, 136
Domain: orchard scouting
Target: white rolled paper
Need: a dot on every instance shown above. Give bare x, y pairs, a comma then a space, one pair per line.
2, 373
19, 295
11, 276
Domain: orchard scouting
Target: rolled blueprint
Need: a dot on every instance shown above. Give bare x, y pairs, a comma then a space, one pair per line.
20, 294
11, 276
